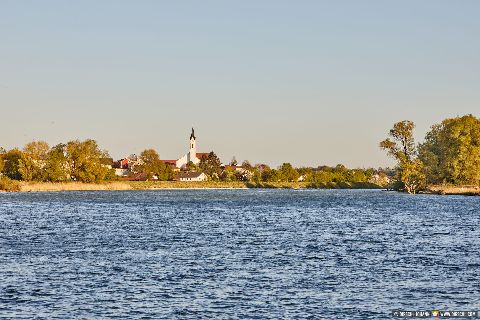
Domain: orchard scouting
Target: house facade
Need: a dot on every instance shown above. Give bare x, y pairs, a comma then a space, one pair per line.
192, 176
120, 172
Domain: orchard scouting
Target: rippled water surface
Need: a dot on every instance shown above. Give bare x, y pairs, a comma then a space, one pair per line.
203, 254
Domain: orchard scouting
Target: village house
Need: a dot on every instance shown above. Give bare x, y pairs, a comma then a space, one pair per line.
119, 172
192, 176
121, 167
126, 166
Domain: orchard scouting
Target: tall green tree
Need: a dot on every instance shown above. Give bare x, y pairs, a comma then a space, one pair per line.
20, 166
12, 160
287, 172
256, 175
269, 175
153, 166
56, 166
402, 148
33, 160
28, 168
340, 173
84, 161
228, 174
37, 150
210, 165
451, 151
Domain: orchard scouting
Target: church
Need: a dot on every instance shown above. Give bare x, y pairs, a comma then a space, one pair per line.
192, 154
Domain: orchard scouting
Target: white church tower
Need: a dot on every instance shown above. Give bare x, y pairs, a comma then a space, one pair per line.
192, 154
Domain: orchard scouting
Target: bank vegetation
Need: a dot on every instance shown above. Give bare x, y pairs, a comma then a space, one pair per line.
83, 165
448, 158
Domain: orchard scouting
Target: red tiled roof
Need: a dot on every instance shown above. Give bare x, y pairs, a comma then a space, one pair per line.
174, 162
123, 164
200, 155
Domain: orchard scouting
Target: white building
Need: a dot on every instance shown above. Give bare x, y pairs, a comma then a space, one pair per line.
192, 154
192, 176
120, 172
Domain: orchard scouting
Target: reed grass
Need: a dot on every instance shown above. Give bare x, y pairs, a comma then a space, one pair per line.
142, 185
147, 185
455, 190
9, 185
72, 186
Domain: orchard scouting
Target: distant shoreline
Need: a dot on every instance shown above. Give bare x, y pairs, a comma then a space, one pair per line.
177, 185
205, 185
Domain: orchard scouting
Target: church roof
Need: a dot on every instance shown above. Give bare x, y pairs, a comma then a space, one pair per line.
201, 155
169, 161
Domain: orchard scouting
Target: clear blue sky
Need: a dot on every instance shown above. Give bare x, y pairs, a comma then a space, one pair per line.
308, 82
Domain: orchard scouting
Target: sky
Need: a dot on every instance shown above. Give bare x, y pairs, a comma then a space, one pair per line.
307, 82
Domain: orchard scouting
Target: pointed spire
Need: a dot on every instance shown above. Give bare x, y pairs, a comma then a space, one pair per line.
192, 135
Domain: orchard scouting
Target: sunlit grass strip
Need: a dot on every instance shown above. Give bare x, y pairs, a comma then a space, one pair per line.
72, 186
142, 185
148, 185
455, 190
9, 185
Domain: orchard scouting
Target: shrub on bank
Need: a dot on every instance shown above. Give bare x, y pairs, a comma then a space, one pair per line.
9, 185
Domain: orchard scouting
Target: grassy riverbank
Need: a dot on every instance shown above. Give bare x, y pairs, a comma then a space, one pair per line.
454, 190
72, 186
142, 185
149, 185
15, 186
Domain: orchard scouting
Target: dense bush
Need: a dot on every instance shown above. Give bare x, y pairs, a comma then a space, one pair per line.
7, 184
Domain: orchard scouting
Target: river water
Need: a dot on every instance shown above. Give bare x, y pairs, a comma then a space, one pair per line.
236, 254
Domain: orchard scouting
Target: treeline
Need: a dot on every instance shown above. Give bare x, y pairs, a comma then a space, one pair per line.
322, 175
450, 154
84, 161
76, 160
314, 176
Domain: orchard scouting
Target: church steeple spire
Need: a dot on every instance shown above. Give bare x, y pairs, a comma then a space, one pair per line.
192, 154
